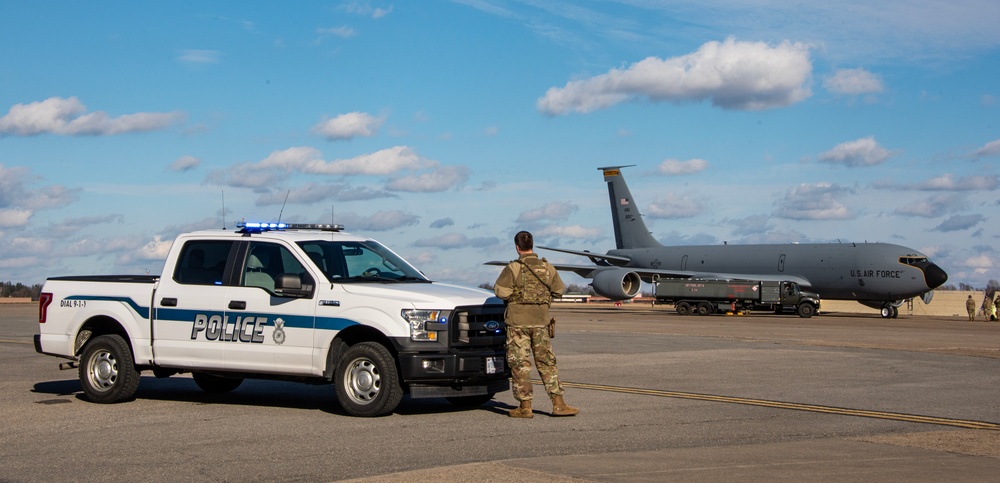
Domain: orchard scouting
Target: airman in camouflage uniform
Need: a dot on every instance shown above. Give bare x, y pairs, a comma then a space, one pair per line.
528, 285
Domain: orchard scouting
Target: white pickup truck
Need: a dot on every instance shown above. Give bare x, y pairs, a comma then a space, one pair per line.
306, 303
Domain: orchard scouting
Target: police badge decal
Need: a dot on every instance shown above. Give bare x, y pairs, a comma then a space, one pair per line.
279, 331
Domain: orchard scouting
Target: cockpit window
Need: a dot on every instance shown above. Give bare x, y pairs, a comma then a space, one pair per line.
366, 261
912, 260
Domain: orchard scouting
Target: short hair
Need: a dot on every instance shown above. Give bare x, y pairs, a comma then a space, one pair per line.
524, 241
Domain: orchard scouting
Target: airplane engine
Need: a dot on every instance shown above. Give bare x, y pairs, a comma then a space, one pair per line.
617, 284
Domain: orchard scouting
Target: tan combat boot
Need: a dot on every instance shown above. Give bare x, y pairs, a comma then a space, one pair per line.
560, 408
524, 411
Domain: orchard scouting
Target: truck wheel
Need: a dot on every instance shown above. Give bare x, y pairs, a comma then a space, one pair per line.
107, 371
216, 384
471, 401
704, 308
806, 310
366, 380
684, 308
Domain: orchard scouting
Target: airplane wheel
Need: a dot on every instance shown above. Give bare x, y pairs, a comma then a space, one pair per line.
886, 311
895, 312
684, 308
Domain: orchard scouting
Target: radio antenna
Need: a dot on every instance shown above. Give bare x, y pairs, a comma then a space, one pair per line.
223, 209
283, 205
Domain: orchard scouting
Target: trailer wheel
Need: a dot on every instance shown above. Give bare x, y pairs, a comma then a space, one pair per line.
704, 308
684, 308
107, 371
806, 310
367, 382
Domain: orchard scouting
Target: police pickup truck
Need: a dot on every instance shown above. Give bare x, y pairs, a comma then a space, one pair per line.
306, 303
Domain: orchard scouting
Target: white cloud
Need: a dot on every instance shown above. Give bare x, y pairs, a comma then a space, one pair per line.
378, 221
342, 31
860, 152
67, 116
439, 179
947, 182
18, 202
442, 222
674, 206
556, 210
853, 82
185, 163
960, 222
814, 202
673, 167
199, 56
934, 206
574, 231
456, 240
991, 148
14, 217
348, 126
318, 192
731, 74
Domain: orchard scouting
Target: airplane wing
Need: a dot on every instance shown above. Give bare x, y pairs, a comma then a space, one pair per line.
602, 260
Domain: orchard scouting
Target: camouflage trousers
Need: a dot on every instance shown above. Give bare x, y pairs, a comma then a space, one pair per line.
522, 342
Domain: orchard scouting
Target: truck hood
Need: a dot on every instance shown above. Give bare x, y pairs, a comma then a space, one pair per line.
425, 295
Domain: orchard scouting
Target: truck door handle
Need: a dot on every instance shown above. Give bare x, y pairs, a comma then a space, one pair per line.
168, 302
237, 305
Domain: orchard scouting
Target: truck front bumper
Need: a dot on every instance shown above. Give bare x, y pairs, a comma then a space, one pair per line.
432, 374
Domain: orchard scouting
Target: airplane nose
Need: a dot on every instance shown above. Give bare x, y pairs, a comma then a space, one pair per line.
934, 276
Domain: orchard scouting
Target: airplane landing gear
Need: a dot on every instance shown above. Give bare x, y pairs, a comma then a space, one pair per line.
889, 311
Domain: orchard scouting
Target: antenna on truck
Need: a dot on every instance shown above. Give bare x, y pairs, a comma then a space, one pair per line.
283, 205
223, 209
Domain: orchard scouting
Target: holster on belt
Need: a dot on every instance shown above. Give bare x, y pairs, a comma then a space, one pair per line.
552, 328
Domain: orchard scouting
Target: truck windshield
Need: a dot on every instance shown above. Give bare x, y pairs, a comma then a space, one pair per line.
366, 261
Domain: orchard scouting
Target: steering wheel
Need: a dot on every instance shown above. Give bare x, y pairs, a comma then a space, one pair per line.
371, 273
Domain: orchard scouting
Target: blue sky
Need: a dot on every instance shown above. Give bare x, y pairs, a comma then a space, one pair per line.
441, 128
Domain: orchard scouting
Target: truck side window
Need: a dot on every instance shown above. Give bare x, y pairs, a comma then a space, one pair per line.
265, 261
202, 262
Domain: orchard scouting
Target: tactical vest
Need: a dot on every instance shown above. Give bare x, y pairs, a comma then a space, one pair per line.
531, 283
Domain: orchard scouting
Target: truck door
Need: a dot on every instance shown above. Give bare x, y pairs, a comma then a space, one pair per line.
189, 315
270, 333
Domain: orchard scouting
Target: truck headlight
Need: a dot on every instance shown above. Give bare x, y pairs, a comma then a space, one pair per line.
419, 321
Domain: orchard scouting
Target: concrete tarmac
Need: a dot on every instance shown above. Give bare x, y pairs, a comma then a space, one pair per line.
663, 397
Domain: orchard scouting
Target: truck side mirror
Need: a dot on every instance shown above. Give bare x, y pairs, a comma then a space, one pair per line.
290, 285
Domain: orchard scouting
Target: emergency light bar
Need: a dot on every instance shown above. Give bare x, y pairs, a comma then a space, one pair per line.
260, 227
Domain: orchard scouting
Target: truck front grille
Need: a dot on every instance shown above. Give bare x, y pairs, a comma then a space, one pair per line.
479, 326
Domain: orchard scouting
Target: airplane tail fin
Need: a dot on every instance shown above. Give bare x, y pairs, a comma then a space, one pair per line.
630, 230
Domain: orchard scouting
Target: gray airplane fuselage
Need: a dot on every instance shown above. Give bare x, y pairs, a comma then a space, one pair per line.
837, 271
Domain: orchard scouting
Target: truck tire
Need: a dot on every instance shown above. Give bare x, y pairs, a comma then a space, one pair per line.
806, 310
107, 370
705, 308
216, 384
471, 401
366, 380
684, 308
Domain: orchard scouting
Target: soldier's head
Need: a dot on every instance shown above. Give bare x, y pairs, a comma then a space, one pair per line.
524, 241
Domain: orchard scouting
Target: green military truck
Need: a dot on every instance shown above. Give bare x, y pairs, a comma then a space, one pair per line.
704, 297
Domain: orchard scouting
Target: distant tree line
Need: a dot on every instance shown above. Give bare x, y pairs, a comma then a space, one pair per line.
11, 289
991, 287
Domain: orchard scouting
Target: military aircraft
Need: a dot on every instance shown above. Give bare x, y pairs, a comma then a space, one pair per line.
878, 275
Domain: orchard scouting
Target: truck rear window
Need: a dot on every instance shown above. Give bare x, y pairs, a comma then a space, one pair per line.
202, 262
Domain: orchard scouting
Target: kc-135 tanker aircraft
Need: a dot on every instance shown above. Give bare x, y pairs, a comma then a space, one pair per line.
878, 275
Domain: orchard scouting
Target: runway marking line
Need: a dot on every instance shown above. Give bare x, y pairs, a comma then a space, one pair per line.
912, 418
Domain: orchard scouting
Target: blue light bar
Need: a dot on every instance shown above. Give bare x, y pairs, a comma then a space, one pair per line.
259, 227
